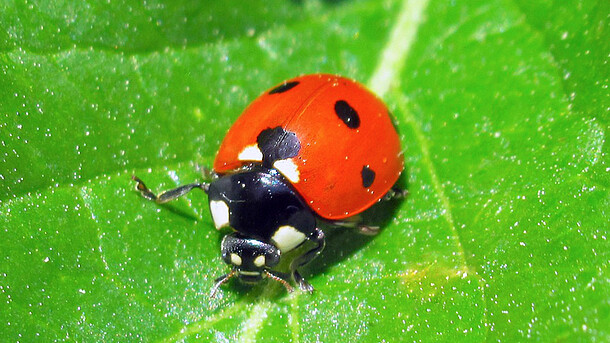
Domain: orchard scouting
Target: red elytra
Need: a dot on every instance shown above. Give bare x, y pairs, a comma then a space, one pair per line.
350, 153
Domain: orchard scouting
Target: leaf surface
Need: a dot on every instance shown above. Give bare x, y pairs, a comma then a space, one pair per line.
502, 107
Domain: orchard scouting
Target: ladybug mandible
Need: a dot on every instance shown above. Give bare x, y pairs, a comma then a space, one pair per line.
314, 148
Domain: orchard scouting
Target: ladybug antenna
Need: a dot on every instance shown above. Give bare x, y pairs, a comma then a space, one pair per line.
220, 281
289, 288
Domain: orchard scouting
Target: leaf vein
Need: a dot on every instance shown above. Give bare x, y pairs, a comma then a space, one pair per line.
112, 277
399, 44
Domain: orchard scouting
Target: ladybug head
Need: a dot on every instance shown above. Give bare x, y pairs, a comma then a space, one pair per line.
250, 258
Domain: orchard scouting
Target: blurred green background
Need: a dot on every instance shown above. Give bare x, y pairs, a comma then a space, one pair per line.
502, 107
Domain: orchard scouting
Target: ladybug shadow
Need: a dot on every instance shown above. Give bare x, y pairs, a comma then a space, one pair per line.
342, 242
181, 211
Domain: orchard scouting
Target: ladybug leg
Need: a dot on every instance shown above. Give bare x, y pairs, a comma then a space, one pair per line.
206, 172
349, 222
356, 222
395, 193
168, 195
281, 278
319, 238
368, 230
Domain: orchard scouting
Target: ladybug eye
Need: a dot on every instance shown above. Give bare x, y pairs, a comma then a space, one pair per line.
272, 258
226, 257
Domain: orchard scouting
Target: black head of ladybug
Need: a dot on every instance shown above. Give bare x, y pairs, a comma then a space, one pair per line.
249, 258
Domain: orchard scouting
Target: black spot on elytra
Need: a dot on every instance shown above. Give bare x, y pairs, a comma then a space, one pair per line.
368, 176
277, 144
347, 114
284, 87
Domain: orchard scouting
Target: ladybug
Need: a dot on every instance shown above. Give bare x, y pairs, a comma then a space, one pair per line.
316, 148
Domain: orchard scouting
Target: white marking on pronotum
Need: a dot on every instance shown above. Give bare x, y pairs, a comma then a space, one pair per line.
235, 259
245, 272
288, 168
395, 52
287, 238
220, 213
251, 153
259, 261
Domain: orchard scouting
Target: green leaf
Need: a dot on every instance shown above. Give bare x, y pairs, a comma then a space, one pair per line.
502, 107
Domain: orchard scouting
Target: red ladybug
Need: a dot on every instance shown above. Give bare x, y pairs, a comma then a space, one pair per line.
314, 147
